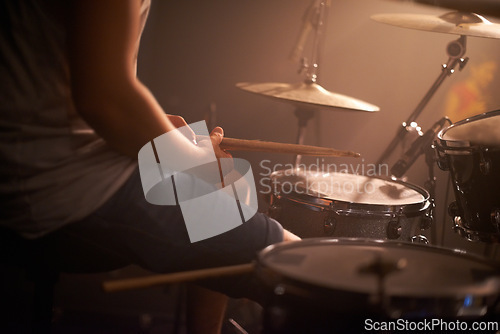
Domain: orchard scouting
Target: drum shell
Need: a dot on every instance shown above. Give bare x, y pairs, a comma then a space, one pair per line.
298, 306
308, 221
477, 194
475, 175
314, 217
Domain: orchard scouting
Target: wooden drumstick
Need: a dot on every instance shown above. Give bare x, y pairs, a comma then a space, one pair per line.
273, 147
184, 276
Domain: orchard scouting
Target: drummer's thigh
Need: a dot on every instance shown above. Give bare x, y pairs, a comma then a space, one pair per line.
155, 237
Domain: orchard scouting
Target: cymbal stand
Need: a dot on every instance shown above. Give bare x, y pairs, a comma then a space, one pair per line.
315, 16
381, 268
456, 51
303, 116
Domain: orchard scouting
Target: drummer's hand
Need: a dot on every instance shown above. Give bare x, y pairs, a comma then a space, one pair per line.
179, 122
289, 236
216, 136
226, 163
176, 120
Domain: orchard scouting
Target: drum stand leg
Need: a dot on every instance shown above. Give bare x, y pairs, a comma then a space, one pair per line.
456, 51
303, 116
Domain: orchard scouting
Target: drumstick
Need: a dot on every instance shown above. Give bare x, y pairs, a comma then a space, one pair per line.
273, 147
183, 276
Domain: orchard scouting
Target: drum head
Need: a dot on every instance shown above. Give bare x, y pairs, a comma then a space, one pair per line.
415, 271
346, 187
480, 130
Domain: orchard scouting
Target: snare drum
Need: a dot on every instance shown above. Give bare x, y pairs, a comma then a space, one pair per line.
470, 150
336, 285
312, 204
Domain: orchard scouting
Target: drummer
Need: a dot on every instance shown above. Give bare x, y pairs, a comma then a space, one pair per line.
73, 117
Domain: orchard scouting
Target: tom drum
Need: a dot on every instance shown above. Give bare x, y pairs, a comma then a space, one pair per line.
343, 285
312, 204
470, 151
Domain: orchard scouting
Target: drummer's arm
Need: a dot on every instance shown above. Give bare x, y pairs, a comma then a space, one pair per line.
108, 95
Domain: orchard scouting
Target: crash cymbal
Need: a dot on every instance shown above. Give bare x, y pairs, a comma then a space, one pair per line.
458, 23
482, 7
309, 95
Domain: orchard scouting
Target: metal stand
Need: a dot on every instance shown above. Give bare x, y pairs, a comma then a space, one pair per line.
456, 51
430, 185
316, 16
380, 268
303, 116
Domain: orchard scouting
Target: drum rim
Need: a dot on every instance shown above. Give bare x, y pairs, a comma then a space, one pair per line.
275, 248
348, 207
473, 235
461, 145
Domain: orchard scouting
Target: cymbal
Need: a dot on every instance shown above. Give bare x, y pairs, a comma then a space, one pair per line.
459, 23
483, 7
304, 94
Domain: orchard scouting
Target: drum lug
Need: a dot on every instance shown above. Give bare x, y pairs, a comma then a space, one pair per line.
394, 229
419, 239
274, 211
484, 164
427, 221
329, 225
495, 219
441, 160
457, 227
453, 209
